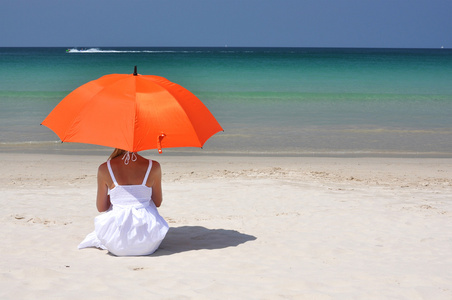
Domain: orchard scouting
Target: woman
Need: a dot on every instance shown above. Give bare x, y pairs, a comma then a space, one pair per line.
129, 189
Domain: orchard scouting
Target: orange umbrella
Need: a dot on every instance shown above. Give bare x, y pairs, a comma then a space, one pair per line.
133, 112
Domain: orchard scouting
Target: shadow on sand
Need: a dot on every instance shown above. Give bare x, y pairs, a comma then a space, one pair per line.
188, 238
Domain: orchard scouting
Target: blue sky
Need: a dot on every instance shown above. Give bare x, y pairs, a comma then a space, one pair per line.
239, 23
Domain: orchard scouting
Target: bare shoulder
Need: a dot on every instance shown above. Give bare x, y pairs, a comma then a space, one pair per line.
102, 170
156, 166
103, 166
156, 169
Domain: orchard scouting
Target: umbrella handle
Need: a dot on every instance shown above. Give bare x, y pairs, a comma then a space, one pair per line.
159, 142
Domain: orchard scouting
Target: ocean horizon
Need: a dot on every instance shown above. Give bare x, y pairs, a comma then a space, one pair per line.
270, 101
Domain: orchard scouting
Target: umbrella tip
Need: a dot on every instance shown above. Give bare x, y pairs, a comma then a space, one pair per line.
135, 71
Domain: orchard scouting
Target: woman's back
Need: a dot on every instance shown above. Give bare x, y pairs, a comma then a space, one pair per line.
132, 173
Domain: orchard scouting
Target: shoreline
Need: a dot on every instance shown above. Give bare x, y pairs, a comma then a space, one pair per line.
58, 148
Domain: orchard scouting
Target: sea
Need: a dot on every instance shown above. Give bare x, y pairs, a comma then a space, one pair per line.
270, 101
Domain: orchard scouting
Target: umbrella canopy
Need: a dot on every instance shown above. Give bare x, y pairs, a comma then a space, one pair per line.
133, 112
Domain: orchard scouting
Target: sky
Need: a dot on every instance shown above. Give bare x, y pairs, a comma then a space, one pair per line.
235, 23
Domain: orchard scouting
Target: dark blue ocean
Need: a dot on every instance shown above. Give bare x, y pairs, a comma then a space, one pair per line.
270, 101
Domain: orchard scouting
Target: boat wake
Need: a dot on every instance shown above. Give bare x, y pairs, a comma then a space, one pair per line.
98, 50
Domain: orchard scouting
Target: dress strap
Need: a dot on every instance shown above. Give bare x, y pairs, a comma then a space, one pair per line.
111, 173
147, 173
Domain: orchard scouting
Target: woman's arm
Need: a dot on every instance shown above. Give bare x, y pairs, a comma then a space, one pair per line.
103, 199
156, 172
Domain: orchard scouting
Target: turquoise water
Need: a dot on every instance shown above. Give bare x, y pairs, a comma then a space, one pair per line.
283, 101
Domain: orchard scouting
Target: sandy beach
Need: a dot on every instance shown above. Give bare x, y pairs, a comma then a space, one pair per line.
241, 228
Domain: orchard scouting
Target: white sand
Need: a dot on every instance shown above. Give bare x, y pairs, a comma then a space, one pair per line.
241, 228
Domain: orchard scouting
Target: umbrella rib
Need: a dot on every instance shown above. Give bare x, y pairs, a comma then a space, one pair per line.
175, 97
193, 129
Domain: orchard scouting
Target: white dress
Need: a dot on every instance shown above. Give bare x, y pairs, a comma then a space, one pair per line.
132, 226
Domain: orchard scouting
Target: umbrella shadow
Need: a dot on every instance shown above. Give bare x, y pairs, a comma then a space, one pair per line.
189, 238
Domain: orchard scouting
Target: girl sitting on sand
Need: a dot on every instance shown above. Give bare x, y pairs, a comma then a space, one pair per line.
129, 190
